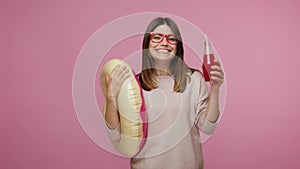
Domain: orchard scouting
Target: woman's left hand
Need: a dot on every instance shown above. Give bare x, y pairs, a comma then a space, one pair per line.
216, 74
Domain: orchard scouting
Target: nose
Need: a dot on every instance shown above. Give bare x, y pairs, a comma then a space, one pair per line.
164, 41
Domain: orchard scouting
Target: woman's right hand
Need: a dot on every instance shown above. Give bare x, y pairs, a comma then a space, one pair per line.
114, 82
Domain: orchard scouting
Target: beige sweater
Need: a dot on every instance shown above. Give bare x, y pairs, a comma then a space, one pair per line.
174, 123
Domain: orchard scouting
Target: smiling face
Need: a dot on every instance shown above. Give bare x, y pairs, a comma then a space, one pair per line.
161, 56
162, 52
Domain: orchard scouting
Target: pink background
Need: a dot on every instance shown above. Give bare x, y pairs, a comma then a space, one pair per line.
257, 41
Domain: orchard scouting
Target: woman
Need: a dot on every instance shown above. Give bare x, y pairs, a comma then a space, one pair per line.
177, 100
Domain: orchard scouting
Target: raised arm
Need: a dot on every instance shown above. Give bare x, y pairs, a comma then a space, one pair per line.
114, 82
217, 76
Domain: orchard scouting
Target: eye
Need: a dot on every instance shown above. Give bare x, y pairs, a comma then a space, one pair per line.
172, 38
157, 36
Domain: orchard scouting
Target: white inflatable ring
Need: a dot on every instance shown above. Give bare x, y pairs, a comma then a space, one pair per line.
131, 106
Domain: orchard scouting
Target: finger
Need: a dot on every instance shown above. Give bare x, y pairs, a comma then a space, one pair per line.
126, 76
123, 72
217, 68
217, 77
217, 74
108, 81
216, 80
107, 78
217, 62
115, 70
120, 70
107, 85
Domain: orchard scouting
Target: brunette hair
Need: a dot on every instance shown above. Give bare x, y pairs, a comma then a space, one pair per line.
178, 68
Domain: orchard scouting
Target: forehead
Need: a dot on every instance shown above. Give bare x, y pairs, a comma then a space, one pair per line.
165, 29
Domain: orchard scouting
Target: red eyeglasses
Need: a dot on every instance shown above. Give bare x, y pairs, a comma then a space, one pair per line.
158, 37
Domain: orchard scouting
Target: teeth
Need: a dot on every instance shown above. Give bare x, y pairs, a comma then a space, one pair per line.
163, 50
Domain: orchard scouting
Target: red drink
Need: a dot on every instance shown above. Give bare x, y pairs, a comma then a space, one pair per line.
208, 60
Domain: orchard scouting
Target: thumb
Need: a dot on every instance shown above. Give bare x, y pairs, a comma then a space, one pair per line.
107, 80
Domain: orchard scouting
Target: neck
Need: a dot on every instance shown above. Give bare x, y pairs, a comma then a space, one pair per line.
162, 69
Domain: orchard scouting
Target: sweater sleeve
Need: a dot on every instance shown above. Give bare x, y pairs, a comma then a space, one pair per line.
113, 134
201, 121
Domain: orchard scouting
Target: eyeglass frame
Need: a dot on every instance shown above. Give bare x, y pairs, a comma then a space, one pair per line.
163, 36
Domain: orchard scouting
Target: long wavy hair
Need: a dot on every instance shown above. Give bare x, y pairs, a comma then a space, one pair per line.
178, 69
